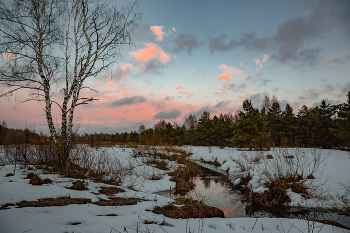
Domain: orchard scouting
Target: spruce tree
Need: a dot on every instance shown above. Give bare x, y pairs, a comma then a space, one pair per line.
289, 127
250, 129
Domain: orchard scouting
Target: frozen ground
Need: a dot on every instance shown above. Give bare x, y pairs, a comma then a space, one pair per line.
333, 171
130, 218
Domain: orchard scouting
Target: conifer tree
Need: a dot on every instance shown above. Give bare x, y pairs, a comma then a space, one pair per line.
203, 131
289, 127
250, 130
342, 123
273, 118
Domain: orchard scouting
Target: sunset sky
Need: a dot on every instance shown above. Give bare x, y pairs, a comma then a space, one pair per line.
192, 56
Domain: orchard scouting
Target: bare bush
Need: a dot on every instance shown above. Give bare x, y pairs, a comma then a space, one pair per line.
292, 163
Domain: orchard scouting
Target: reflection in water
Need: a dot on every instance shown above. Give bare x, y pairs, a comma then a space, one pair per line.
214, 190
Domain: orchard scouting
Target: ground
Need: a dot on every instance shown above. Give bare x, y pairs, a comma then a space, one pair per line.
91, 217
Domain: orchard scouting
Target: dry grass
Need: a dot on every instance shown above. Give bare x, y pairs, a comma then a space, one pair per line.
189, 211
79, 185
6, 206
61, 201
159, 163
118, 201
36, 180
182, 177
279, 172
110, 191
9, 174
215, 162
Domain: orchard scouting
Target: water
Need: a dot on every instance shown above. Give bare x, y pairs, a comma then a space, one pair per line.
214, 190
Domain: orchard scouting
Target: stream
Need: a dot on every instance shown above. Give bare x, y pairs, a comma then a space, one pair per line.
214, 190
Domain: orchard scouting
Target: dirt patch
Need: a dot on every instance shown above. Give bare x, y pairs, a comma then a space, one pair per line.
9, 174
189, 211
78, 185
61, 201
118, 201
110, 191
269, 156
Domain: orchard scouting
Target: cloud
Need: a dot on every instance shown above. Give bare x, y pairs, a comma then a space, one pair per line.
200, 112
259, 63
186, 42
294, 39
151, 51
127, 101
171, 114
117, 74
182, 90
157, 30
173, 29
228, 70
221, 104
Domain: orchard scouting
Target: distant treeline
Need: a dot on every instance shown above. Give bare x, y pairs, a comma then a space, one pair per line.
324, 126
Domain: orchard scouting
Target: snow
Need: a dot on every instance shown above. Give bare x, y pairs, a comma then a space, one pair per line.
330, 177
130, 218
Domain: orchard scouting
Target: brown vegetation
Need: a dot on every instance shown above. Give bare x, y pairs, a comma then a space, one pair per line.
193, 210
79, 185
118, 201
61, 201
110, 191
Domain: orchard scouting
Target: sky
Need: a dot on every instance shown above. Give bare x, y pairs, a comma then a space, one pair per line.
194, 56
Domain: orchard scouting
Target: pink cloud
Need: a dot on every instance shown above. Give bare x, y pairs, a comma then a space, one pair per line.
228, 70
152, 51
251, 87
173, 29
259, 63
182, 90
157, 30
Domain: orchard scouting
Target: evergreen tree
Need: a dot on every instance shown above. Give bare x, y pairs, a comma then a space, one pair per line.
289, 127
342, 123
203, 130
274, 118
250, 130
321, 132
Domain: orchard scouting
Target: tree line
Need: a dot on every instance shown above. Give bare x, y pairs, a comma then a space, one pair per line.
324, 126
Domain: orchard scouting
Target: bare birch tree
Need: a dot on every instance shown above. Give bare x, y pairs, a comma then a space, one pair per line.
51, 47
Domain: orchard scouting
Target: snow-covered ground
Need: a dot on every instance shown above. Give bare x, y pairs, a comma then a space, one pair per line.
332, 173
130, 218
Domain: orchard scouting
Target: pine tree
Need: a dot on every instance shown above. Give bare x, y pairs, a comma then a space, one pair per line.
250, 130
273, 118
289, 127
203, 130
342, 123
